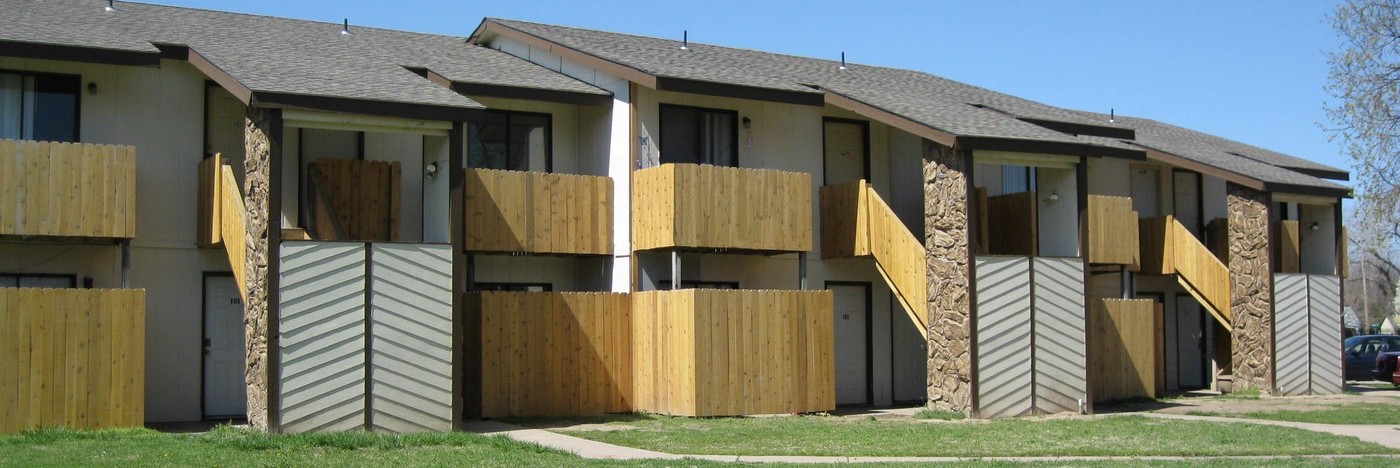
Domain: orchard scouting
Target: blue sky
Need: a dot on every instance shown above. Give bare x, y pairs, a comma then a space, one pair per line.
1252, 71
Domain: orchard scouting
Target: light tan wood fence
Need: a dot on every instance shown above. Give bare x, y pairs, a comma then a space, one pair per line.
72, 357
221, 216
515, 211
1169, 249
1288, 247
712, 207
548, 353
701, 352
1125, 349
67, 189
1113, 231
354, 200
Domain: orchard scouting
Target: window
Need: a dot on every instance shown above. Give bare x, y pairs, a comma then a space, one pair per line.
697, 135
39, 106
665, 285
20, 280
513, 141
1017, 179
524, 287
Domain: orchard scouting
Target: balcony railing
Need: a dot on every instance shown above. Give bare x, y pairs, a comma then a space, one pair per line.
1113, 231
67, 189
536, 212
691, 206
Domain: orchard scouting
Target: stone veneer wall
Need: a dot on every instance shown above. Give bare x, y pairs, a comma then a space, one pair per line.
256, 198
950, 303
1251, 289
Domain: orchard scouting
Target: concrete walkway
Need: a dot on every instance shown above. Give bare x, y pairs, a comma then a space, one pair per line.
1385, 435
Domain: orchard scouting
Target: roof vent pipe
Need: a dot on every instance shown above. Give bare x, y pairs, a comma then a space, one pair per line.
685, 40
1110, 115
345, 27
843, 61
111, 6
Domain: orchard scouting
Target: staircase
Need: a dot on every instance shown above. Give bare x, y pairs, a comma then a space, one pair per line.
1169, 249
856, 222
221, 215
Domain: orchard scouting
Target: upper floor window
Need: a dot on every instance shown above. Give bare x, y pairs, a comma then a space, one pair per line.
699, 135
40, 107
22, 280
513, 141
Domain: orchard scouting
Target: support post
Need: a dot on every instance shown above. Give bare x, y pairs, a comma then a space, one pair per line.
802, 271
126, 263
675, 270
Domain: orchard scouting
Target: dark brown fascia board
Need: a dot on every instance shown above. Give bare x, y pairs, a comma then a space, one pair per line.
1047, 147
532, 94
69, 53
710, 88
877, 114
1077, 128
1178, 161
218, 75
1321, 173
629, 73
1294, 189
364, 107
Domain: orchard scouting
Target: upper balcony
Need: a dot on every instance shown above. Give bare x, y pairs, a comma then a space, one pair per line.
703, 207
537, 212
67, 190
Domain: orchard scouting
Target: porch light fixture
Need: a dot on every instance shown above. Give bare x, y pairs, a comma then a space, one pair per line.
1314, 226
430, 171
111, 6
345, 27
1054, 197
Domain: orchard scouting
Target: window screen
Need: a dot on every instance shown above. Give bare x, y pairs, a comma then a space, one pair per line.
701, 136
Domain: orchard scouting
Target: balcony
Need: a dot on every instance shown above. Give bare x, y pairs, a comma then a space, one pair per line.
710, 352
536, 212
67, 190
702, 207
1113, 231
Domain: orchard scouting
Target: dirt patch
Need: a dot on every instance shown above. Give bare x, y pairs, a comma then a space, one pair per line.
1228, 404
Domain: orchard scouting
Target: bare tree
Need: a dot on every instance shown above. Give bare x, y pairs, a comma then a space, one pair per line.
1365, 82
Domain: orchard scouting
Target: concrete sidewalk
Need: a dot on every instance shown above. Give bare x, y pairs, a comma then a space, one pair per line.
1388, 435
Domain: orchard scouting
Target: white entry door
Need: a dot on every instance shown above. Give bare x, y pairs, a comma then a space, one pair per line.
852, 345
225, 395
1145, 189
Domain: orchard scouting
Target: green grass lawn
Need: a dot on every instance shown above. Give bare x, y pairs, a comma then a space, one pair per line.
227, 446
821, 435
1350, 413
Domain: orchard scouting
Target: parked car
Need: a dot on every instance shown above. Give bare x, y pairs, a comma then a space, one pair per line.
1361, 352
1385, 370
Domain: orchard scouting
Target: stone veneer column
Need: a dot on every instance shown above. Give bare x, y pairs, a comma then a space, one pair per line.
949, 298
257, 199
1251, 289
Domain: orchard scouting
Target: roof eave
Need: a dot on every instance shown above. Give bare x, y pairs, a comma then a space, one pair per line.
619, 70
1295, 189
1047, 147
73, 53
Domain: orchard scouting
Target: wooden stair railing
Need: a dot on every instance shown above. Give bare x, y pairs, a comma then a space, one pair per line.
221, 215
856, 222
1169, 249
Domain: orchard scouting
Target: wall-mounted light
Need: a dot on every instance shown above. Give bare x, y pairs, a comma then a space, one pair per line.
1054, 197
748, 123
1314, 226
92, 88
430, 171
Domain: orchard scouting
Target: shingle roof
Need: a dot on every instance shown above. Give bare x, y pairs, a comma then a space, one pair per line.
279, 55
938, 103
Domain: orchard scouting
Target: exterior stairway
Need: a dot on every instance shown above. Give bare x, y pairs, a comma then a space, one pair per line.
221, 215
1169, 249
856, 222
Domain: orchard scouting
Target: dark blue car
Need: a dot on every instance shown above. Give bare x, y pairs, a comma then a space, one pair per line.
1361, 352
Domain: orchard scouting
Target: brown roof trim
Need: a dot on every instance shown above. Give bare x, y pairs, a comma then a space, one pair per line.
213, 72
1178, 161
1046, 147
1308, 190
363, 106
1321, 173
1077, 128
710, 88
610, 67
877, 114
532, 94
69, 53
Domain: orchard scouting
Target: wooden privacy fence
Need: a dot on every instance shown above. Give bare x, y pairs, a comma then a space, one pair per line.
67, 189
548, 353
1113, 231
713, 207
514, 211
1288, 247
72, 358
354, 200
856, 222
699, 352
221, 215
1125, 349
1013, 228
1169, 249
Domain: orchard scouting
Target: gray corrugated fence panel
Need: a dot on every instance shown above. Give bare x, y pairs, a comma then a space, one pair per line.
1061, 367
322, 354
411, 336
1291, 333
1325, 317
1003, 336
